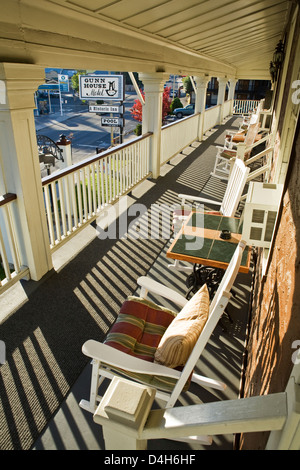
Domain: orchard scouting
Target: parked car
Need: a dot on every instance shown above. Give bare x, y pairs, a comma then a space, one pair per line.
186, 111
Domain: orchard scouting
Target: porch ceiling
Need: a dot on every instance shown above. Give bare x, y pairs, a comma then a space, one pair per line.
235, 38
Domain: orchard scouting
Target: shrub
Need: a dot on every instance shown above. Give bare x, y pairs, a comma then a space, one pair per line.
176, 103
138, 129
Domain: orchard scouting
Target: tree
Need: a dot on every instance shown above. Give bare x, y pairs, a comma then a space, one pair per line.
75, 80
137, 108
187, 84
166, 102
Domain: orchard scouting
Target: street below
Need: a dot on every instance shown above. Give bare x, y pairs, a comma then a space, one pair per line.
83, 128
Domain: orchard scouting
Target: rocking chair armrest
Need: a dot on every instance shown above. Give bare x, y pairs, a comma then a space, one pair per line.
115, 358
188, 197
231, 132
150, 285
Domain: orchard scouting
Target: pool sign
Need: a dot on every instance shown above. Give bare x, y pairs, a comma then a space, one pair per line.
106, 87
112, 121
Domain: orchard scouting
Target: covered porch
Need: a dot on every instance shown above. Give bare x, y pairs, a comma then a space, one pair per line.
45, 221
90, 289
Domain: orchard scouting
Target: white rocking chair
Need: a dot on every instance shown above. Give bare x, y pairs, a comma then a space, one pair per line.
225, 154
109, 362
228, 206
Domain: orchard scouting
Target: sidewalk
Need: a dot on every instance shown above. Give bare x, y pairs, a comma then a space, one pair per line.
48, 120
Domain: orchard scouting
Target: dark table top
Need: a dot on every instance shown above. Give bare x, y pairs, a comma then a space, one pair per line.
199, 241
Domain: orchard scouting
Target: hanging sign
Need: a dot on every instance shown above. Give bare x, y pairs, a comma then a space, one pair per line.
112, 121
106, 87
106, 109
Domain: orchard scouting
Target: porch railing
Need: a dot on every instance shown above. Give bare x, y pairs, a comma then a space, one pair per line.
75, 196
178, 135
277, 412
244, 106
11, 267
211, 117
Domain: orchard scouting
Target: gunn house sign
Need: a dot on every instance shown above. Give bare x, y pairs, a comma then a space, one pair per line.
105, 87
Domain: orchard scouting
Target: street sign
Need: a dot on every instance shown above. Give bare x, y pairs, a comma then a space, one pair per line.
112, 121
106, 87
47, 86
63, 81
106, 109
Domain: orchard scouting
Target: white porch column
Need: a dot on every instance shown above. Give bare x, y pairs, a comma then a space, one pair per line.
232, 84
221, 96
201, 89
152, 115
19, 161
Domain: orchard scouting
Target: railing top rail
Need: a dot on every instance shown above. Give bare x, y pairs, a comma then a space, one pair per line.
214, 106
6, 198
238, 99
174, 123
189, 117
88, 161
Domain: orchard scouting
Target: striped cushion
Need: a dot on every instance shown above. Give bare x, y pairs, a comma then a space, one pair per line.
239, 137
228, 153
137, 331
139, 328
